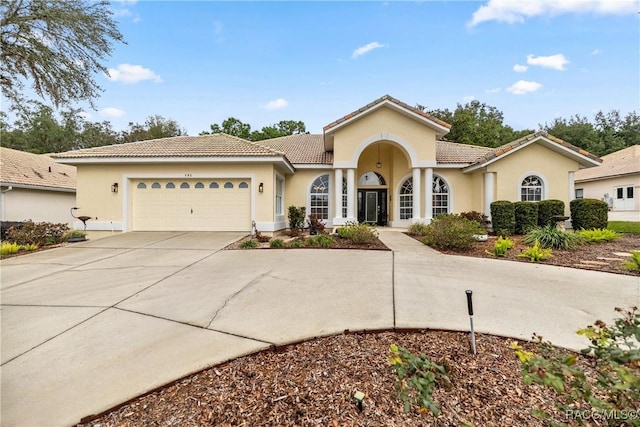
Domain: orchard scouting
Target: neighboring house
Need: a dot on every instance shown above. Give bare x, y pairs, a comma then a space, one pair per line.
35, 187
616, 180
382, 164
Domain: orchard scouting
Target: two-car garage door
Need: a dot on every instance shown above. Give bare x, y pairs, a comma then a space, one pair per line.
191, 204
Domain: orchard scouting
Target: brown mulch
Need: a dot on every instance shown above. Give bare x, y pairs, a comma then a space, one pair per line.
313, 383
598, 257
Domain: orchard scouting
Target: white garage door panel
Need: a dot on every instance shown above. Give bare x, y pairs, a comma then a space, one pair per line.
191, 209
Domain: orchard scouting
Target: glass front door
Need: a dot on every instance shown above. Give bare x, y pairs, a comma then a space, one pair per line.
372, 206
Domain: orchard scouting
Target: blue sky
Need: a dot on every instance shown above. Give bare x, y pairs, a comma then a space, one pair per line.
261, 62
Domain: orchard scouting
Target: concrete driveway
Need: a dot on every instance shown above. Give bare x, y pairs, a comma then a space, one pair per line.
91, 325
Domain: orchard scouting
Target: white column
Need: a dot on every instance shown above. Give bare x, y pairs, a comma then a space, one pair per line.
351, 194
416, 195
489, 193
338, 194
428, 194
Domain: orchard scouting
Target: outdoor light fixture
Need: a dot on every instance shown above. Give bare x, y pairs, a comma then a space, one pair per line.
359, 396
378, 163
114, 187
260, 187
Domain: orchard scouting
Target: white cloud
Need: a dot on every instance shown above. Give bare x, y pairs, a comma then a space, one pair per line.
555, 62
520, 68
127, 73
468, 98
512, 11
365, 49
596, 52
85, 115
523, 86
276, 104
493, 90
112, 112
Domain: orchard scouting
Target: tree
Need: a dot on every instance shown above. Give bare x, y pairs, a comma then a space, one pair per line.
154, 127
57, 46
477, 123
235, 127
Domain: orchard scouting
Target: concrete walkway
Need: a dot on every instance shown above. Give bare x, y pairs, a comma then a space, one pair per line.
89, 326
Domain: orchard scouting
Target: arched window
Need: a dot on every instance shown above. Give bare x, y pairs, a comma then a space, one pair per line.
440, 196
199, 185
170, 185
531, 189
243, 185
406, 199
214, 185
319, 197
155, 185
184, 185
228, 185
141, 185
371, 178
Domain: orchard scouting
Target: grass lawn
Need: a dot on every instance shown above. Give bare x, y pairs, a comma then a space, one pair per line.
624, 227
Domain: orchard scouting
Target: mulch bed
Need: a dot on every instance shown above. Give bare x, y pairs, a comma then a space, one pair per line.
313, 383
339, 243
598, 257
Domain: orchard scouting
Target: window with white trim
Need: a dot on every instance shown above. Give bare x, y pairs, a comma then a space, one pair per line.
319, 197
579, 193
344, 198
279, 196
440, 197
531, 189
406, 199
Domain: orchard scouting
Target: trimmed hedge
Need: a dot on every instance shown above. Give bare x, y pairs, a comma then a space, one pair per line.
587, 214
547, 209
503, 218
526, 216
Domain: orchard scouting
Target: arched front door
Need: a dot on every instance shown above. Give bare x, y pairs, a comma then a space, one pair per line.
372, 200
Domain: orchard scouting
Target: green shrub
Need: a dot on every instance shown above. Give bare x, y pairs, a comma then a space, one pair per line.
321, 240
451, 232
629, 227
296, 218
29, 247
276, 243
547, 209
501, 246
8, 248
551, 237
503, 218
526, 215
38, 233
358, 233
633, 264
417, 229
249, 244
417, 379
297, 243
536, 253
74, 234
478, 217
588, 213
598, 235
615, 393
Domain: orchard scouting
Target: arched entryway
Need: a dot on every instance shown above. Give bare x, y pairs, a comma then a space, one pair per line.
373, 198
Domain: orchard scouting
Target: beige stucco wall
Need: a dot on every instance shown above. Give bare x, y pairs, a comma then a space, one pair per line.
384, 121
461, 189
22, 204
95, 198
533, 159
597, 189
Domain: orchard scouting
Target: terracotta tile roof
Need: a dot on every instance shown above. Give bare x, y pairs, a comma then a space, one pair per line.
622, 162
504, 149
452, 152
393, 100
40, 170
302, 148
217, 145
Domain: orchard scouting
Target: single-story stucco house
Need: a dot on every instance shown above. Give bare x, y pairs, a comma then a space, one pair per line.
383, 164
35, 187
616, 181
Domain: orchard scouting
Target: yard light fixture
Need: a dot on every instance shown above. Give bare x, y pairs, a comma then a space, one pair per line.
114, 187
359, 396
260, 187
